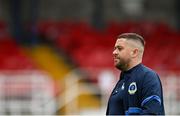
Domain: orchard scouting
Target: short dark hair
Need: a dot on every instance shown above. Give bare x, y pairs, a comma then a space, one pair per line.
132, 36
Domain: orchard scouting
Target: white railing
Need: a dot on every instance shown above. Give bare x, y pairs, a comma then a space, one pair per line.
72, 90
171, 87
32, 93
26, 92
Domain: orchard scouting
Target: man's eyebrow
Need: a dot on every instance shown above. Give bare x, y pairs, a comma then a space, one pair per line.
118, 46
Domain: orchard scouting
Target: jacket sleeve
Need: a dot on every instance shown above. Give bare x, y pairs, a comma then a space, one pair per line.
152, 96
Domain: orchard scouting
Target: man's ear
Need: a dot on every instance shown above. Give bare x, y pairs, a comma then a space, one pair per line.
134, 52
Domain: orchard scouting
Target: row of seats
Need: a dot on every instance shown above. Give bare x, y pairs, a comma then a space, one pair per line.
93, 48
90, 47
12, 57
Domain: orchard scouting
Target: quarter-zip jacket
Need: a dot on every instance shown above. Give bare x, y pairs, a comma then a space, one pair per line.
139, 91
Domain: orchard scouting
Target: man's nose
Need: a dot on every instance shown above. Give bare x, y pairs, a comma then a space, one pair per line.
115, 52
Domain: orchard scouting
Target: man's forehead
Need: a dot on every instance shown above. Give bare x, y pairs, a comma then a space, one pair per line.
121, 41
127, 42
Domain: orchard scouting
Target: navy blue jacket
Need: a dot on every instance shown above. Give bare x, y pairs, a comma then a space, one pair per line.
139, 91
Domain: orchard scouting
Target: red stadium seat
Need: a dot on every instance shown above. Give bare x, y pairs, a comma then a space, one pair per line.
12, 57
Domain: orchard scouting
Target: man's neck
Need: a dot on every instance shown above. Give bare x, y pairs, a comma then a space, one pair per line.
131, 65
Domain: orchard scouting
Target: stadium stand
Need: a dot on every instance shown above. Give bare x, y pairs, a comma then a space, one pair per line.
92, 48
23, 85
89, 49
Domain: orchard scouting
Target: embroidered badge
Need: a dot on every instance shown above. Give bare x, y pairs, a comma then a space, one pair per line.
132, 88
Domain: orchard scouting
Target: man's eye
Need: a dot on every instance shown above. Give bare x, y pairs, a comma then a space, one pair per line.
119, 48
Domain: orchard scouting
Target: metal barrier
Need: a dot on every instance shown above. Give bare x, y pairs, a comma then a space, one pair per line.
26, 92
32, 92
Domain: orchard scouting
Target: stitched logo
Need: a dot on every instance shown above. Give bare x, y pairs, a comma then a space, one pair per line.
132, 88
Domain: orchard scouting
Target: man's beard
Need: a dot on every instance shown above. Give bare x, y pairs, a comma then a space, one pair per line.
123, 64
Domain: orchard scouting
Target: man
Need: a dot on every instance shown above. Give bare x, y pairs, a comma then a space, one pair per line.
139, 90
